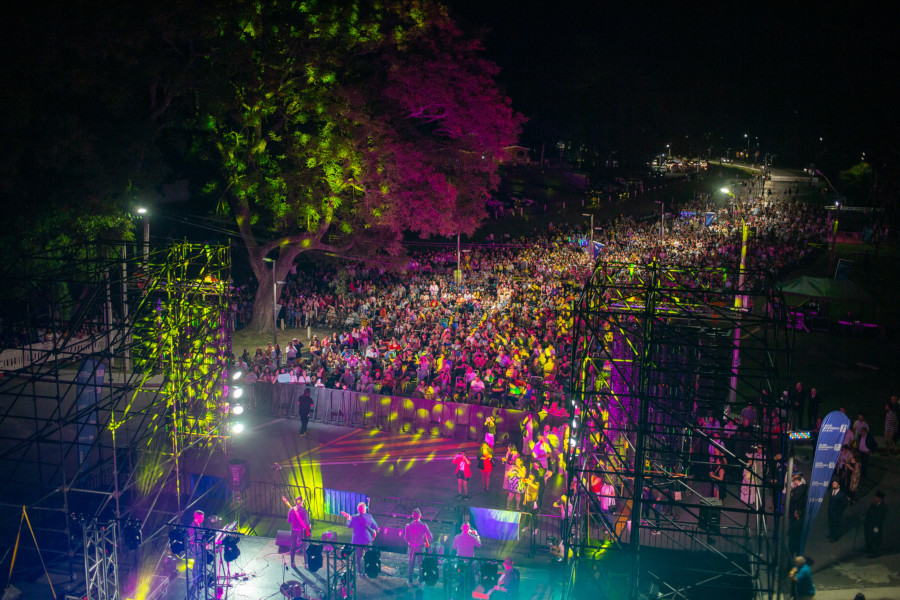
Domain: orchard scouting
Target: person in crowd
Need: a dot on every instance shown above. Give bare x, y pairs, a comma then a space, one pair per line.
874, 524
837, 504
515, 483
304, 406
418, 539
801, 575
463, 472
486, 462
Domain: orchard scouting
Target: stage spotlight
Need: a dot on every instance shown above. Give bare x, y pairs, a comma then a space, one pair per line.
237, 392
347, 551
236, 375
372, 563
131, 533
176, 541
237, 409
489, 575
574, 424
430, 574
313, 558
573, 442
237, 428
230, 550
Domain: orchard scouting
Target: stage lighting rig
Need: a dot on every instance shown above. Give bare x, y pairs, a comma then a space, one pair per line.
230, 550
176, 540
372, 563
430, 573
313, 558
131, 533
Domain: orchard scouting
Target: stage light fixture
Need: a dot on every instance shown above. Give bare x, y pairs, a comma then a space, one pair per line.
313, 558
176, 541
574, 424
347, 551
237, 392
237, 409
372, 563
489, 575
131, 533
230, 550
236, 375
237, 428
430, 573
573, 442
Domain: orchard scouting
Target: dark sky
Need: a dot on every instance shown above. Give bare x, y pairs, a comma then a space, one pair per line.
634, 77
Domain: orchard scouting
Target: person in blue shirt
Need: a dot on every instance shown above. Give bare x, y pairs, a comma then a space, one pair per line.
802, 577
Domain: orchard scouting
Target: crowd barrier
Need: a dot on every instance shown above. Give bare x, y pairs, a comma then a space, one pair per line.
396, 413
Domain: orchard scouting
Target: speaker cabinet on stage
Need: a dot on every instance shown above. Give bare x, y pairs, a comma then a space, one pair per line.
391, 538
710, 514
283, 539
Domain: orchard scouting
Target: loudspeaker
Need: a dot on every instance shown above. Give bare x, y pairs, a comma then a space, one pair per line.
391, 538
710, 514
283, 539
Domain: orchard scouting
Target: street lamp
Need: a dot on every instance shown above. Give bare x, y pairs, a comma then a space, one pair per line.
145, 215
274, 302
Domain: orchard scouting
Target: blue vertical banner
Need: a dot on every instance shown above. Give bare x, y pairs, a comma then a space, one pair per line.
828, 447
709, 218
597, 248
88, 391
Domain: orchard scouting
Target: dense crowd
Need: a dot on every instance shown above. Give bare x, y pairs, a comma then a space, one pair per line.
504, 335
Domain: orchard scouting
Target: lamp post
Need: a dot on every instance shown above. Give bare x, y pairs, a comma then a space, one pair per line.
833, 226
145, 215
591, 236
274, 302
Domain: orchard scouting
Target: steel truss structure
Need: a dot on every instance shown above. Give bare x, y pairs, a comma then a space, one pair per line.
101, 561
113, 365
667, 362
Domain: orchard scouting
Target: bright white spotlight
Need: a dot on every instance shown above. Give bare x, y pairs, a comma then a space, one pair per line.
572, 442
237, 392
236, 375
574, 424
237, 428
237, 409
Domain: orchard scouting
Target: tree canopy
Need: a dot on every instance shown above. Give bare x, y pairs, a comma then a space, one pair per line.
343, 125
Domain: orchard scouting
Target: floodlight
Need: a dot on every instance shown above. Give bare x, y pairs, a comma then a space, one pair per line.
237, 392
237, 409
237, 428
236, 375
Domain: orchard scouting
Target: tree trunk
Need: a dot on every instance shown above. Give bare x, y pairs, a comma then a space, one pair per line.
262, 303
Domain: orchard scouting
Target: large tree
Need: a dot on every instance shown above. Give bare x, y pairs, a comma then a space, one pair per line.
341, 127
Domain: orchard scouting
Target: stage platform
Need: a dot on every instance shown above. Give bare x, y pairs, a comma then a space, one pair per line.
263, 572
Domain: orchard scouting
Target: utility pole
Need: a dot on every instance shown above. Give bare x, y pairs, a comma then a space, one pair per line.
591, 237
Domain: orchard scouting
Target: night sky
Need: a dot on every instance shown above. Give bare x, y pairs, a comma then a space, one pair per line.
633, 77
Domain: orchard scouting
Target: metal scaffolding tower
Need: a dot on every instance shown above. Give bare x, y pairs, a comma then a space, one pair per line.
113, 365
677, 372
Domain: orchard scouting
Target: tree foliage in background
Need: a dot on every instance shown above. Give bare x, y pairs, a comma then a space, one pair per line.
339, 127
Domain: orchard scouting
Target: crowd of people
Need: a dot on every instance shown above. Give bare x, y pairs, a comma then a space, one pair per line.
502, 336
